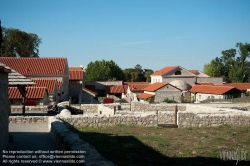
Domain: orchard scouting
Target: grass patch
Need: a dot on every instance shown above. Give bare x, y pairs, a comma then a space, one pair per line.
131, 145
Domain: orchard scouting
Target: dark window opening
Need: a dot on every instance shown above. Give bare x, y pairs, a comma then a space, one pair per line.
178, 72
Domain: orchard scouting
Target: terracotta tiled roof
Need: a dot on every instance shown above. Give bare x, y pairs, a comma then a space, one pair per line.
145, 95
75, 73
90, 91
137, 87
118, 89
164, 71
32, 93
16, 78
59, 83
50, 84
204, 83
210, 89
155, 86
36, 66
240, 86
193, 71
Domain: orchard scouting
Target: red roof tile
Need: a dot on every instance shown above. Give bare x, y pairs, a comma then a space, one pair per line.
155, 86
145, 95
75, 73
36, 66
50, 84
193, 71
32, 93
118, 89
164, 71
240, 86
137, 87
210, 89
59, 83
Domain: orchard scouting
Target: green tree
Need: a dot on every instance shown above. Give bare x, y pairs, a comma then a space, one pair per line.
230, 66
18, 43
137, 74
147, 73
103, 71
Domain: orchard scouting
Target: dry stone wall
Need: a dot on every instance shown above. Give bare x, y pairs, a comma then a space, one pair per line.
28, 119
198, 116
166, 117
145, 119
38, 108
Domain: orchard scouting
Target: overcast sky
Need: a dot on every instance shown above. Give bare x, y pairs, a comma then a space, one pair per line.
152, 33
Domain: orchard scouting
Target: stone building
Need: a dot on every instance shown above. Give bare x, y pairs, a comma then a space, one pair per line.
52, 87
76, 82
8, 77
35, 96
191, 77
208, 92
160, 91
42, 68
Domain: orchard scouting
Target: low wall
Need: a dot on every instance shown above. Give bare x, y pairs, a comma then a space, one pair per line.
138, 119
198, 116
67, 140
39, 108
166, 117
29, 119
146, 107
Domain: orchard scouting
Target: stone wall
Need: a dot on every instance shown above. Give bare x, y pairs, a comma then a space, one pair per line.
4, 125
142, 119
67, 140
167, 92
198, 116
28, 119
38, 108
146, 107
166, 117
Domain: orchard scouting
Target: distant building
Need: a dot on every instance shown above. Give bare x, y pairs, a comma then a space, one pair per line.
159, 91
191, 77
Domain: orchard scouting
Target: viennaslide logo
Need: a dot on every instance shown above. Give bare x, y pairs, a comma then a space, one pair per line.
236, 155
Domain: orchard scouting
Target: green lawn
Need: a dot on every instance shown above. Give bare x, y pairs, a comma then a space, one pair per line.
130, 145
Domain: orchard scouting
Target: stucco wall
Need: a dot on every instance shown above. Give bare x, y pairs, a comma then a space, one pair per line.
202, 96
214, 80
4, 123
